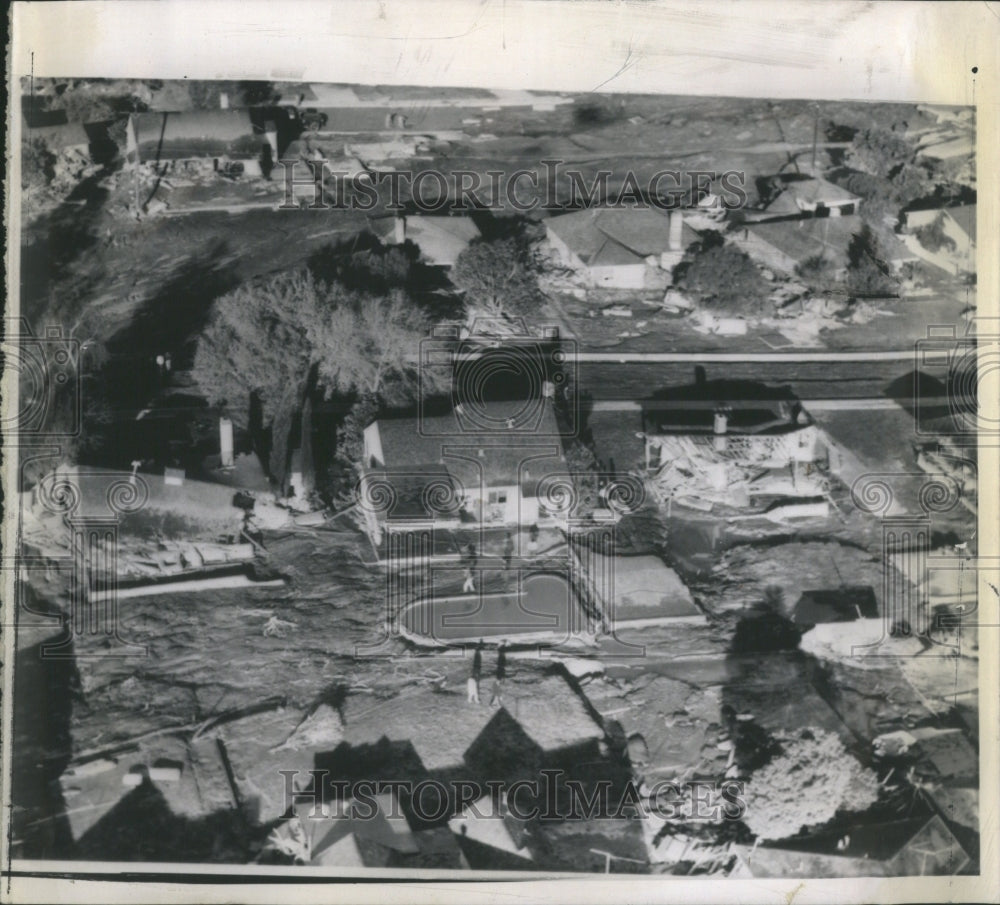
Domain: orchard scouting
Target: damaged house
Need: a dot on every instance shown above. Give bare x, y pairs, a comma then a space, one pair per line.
223, 140
619, 249
737, 452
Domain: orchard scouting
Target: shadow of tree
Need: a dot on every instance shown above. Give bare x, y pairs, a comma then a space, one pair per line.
60, 237
172, 319
45, 689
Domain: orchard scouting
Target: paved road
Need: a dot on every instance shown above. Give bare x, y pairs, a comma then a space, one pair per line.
850, 379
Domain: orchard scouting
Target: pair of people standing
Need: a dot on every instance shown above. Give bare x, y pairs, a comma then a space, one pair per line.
499, 677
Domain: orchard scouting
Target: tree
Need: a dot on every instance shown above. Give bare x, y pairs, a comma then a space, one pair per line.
255, 344
885, 173
881, 152
805, 785
38, 164
933, 237
868, 273
363, 342
499, 276
343, 474
582, 465
721, 277
274, 339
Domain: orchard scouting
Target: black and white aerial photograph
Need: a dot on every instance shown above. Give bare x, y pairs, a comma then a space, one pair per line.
545, 444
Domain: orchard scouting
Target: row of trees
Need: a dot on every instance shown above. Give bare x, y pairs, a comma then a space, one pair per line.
347, 326
276, 340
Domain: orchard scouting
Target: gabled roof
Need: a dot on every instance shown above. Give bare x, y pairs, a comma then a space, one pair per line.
602, 237
340, 839
441, 239
826, 236
487, 822
809, 191
59, 137
452, 442
965, 217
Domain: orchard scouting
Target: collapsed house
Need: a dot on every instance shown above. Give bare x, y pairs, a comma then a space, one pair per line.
746, 453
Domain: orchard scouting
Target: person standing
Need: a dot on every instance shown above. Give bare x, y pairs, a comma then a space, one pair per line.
477, 660
508, 551
532, 540
472, 688
500, 676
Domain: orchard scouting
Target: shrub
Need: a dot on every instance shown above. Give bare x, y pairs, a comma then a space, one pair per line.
933, 237
721, 278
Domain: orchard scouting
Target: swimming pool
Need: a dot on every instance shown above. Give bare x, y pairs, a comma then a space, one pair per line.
542, 605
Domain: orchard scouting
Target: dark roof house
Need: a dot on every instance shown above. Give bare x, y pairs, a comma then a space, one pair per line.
198, 135
787, 244
614, 248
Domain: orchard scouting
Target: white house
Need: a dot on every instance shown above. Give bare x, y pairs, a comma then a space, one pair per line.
465, 467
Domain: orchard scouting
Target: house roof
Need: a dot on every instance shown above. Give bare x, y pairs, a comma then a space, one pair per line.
764, 861
441, 239
601, 237
826, 236
453, 442
60, 137
38, 117
965, 217
808, 191
199, 133
951, 755
487, 824
338, 839
804, 239
442, 727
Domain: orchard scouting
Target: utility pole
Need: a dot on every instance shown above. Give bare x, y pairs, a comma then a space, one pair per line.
815, 137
